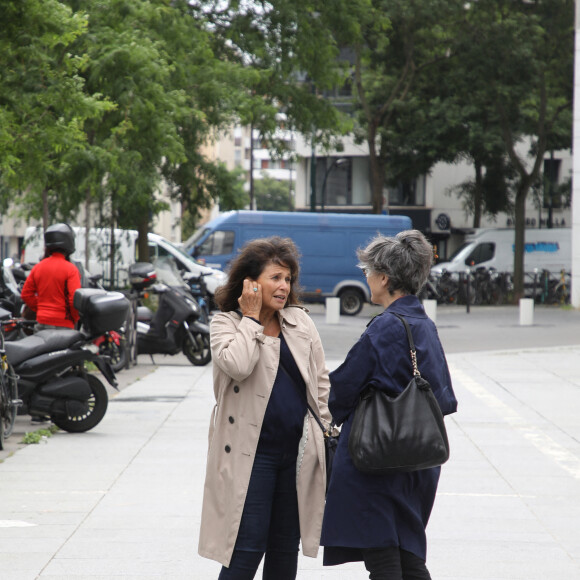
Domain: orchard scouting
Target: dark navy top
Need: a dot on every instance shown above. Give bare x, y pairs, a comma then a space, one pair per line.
284, 417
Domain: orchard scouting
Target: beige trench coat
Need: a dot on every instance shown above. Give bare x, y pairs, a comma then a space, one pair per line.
245, 363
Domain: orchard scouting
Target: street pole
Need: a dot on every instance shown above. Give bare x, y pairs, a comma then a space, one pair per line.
252, 203
575, 282
313, 176
551, 181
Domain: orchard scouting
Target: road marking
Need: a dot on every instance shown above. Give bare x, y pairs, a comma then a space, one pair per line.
544, 443
15, 524
458, 494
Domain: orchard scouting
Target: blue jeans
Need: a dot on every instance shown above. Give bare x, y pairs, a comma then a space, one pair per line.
269, 523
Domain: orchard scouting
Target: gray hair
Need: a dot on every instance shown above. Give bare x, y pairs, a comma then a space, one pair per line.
406, 259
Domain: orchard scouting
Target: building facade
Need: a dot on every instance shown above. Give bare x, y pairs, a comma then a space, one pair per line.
343, 185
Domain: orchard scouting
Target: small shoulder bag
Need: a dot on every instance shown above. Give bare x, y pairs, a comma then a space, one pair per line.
402, 433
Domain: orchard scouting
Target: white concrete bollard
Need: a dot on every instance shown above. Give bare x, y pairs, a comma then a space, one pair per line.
526, 312
332, 310
430, 307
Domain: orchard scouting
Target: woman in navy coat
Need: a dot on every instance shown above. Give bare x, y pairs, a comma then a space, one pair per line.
381, 519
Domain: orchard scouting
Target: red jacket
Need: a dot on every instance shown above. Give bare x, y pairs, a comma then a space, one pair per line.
49, 291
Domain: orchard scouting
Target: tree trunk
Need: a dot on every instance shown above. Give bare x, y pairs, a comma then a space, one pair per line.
520, 234
477, 195
87, 227
143, 243
45, 216
112, 255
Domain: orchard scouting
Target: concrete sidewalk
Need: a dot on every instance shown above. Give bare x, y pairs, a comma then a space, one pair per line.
124, 500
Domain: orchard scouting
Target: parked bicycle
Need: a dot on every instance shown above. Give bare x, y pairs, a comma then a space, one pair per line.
9, 401
554, 289
487, 286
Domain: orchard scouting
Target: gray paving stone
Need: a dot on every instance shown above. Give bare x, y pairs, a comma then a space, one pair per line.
124, 501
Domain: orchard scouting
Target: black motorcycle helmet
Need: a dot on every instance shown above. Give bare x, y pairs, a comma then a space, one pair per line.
59, 238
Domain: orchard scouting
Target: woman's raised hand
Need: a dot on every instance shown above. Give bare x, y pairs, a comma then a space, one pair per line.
251, 299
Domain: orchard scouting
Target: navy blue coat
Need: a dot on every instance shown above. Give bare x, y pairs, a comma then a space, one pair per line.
372, 511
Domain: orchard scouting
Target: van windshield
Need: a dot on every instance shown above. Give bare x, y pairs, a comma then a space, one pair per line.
197, 235
458, 251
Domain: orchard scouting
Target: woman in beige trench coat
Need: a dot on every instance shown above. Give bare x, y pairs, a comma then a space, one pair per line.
265, 480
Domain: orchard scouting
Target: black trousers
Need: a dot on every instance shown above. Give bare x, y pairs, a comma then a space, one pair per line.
394, 564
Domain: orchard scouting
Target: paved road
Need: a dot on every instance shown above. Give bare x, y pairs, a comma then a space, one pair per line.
124, 500
483, 328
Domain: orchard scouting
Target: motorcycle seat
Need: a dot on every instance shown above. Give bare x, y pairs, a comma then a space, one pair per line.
41, 343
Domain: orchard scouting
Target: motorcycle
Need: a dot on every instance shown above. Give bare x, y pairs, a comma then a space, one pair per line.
48, 369
10, 288
175, 326
112, 343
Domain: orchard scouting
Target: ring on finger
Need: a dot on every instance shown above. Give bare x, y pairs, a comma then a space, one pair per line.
255, 289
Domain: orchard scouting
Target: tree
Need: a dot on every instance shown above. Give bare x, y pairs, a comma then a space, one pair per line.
43, 104
397, 44
273, 195
290, 52
527, 79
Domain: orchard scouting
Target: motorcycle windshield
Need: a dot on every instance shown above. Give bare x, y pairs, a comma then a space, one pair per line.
9, 281
167, 272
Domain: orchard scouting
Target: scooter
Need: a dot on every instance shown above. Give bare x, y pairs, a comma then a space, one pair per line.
49, 371
175, 326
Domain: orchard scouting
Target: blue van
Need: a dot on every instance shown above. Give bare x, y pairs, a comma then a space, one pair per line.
327, 242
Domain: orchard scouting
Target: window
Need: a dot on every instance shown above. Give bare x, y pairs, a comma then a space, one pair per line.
408, 192
218, 243
334, 181
481, 253
552, 192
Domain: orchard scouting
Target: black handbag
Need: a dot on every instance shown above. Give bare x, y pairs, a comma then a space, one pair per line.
402, 433
330, 440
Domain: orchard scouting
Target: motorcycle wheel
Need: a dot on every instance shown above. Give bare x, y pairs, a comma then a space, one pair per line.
98, 402
117, 354
8, 407
197, 353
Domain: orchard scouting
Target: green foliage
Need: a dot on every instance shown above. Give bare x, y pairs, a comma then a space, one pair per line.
272, 195
399, 46
100, 100
43, 101
290, 53
520, 92
35, 437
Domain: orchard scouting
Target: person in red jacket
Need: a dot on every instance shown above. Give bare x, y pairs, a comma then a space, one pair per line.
50, 287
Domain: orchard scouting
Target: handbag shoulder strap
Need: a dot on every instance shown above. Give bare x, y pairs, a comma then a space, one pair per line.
315, 415
416, 372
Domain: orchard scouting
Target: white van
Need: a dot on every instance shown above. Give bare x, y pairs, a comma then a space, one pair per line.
545, 249
125, 250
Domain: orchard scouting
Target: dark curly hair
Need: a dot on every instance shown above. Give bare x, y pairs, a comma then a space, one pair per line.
254, 256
